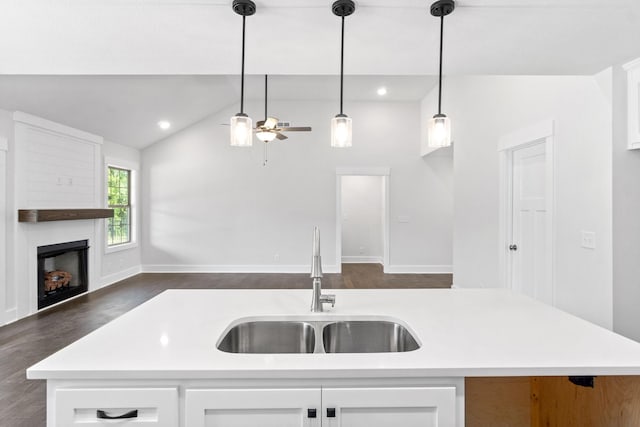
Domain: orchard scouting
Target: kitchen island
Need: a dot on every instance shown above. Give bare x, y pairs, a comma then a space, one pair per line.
159, 364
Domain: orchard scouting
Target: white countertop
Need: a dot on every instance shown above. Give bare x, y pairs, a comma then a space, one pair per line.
461, 332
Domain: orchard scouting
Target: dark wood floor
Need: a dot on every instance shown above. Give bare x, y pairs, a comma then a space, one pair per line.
25, 342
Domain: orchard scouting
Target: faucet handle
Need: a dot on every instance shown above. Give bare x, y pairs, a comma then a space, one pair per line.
328, 299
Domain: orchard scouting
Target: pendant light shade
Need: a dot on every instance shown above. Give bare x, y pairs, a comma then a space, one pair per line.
241, 124
439, 130
341, 135
241, 130
341, 131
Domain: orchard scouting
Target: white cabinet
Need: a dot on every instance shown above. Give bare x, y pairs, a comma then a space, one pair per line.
633, 100
384, 407
328, 407
252, 407
156, 407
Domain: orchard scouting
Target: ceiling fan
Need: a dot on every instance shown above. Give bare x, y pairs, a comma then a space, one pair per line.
270, 128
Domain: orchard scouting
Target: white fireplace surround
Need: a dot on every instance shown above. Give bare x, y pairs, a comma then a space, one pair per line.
56, 167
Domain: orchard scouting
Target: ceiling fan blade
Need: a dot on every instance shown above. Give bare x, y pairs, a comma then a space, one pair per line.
296, 129
271, 123
281, 136
259, 124
225, 124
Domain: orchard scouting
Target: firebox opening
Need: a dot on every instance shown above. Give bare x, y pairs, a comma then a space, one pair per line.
62, 271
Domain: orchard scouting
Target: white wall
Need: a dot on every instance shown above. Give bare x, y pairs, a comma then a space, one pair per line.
7, 219
211, 207
121, 264
485, 108
626, 214
362, 218
4, 147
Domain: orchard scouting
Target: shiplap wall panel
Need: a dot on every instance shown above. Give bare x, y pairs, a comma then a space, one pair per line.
61, 170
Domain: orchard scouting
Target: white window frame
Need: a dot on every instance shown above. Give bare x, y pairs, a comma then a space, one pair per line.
133, 201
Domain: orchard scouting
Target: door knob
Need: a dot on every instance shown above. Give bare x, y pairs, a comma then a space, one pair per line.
513, 247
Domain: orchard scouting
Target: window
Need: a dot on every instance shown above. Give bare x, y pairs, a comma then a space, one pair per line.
119, 199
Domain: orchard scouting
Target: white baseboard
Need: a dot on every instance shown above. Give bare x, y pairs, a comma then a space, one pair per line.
10, 316
361, 260
163, 268
418, 269
120, 275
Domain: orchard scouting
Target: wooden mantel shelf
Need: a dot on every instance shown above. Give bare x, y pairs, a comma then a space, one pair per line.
42, 215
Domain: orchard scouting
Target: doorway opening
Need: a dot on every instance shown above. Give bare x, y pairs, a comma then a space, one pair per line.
362, 220
527, 212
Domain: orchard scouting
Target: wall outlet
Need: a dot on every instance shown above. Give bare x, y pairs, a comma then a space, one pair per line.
276, 257
361, 250
404, 219
588, 240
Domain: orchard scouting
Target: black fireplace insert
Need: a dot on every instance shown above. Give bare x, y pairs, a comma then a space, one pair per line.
62, 271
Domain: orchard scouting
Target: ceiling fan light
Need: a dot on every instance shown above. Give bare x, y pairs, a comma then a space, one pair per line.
341, 131
266, 136
439, 131
241, 130
271, 123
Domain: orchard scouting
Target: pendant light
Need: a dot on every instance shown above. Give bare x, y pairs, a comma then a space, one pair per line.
440, 125
241, 124
341, 123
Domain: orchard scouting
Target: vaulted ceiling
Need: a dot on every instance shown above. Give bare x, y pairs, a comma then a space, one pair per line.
126, 109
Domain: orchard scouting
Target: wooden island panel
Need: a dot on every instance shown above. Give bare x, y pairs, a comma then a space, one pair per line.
552, 401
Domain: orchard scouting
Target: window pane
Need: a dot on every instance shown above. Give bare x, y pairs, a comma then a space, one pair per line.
118, 186
119, 227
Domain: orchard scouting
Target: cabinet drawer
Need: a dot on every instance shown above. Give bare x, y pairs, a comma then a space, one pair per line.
116, 406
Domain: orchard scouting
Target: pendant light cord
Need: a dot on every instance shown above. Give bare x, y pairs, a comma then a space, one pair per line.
342, 65
440, 75
244, 18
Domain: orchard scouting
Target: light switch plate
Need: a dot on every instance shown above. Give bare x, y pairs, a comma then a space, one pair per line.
588, 239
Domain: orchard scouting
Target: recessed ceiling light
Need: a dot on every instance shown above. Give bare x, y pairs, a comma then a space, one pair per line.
164, 125
382, 91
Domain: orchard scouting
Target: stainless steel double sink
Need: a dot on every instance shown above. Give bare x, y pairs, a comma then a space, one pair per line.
311, 336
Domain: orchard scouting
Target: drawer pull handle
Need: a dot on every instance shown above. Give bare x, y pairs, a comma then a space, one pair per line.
103, 415
331, 412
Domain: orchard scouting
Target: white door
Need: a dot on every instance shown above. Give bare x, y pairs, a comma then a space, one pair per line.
252, 408
389, 407
528, 246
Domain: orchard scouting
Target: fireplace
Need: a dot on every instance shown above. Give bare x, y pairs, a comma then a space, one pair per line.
62, 271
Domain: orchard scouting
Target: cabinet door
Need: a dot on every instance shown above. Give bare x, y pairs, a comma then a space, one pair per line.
389, 407
252, 408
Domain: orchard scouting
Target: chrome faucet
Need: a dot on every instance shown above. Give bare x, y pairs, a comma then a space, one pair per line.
316, 275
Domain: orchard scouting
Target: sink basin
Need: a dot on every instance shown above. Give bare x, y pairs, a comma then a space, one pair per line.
279, 336
269, 337
367, 336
